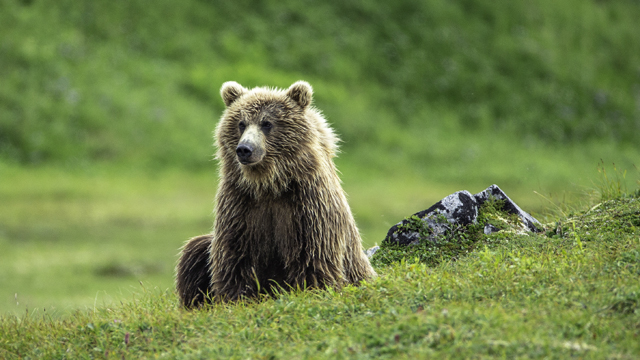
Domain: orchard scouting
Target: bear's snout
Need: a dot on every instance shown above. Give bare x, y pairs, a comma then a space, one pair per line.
251, 147
244, 152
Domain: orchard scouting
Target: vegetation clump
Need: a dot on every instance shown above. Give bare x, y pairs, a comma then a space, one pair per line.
455, 242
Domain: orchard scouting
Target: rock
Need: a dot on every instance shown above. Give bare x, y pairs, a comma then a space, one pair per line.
460, 208
490, 229
371, 251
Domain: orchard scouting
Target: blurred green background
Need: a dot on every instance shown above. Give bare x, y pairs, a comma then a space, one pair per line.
107, 110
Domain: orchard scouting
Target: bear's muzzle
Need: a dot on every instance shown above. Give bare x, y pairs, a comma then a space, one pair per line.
250, 150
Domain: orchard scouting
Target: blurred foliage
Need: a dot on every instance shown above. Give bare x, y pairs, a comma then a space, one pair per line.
138, 80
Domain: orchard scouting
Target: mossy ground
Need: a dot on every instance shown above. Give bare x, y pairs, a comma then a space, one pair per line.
455, 242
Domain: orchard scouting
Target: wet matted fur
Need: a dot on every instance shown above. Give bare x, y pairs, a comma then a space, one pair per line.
281, 216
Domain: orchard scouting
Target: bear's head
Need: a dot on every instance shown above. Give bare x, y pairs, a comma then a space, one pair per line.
266, 137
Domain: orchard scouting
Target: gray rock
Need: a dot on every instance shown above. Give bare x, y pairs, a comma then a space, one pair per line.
490, 229
460, 208
371, 251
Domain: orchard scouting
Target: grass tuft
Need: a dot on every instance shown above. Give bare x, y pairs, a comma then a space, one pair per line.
614, 186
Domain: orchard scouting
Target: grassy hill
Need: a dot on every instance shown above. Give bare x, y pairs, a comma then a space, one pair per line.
571, 292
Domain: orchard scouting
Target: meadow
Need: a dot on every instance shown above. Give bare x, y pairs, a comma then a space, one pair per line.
571, 292
106, 169
81, 238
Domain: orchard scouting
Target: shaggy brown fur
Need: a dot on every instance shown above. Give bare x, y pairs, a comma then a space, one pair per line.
282, 218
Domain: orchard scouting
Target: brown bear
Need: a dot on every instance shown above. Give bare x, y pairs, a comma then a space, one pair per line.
282, 220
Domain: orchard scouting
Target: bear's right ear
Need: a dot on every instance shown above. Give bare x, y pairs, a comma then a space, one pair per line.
231, 91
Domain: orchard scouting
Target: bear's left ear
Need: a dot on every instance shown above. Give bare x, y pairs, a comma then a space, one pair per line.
231, 91
302, 93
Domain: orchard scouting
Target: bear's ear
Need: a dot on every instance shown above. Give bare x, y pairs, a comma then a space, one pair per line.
231, 91
302, 93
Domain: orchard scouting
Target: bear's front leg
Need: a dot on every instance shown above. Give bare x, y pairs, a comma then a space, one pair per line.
193, 280
232, 278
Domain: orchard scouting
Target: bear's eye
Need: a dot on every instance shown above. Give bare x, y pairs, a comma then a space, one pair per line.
266, 125
242, 126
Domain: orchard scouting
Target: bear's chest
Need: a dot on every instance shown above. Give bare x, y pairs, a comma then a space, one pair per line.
271, 220
274, 228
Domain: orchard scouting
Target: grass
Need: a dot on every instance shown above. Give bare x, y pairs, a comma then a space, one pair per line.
612, 186
567, 293
76, 238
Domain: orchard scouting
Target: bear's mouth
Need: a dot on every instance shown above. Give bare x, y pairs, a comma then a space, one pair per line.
246, 162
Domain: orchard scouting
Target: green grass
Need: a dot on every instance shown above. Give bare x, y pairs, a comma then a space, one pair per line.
73, 239
567, 293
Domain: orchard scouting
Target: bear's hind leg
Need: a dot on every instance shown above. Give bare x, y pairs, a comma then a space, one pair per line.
193, 280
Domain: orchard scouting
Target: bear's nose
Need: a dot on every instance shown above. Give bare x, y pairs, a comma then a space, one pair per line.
244, 152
